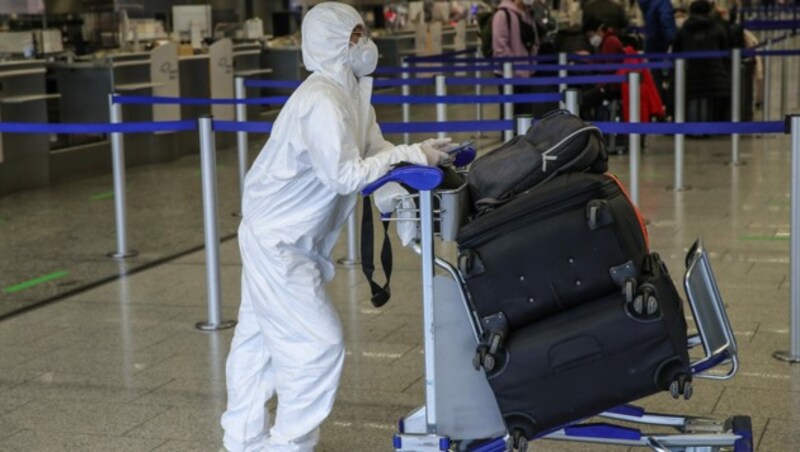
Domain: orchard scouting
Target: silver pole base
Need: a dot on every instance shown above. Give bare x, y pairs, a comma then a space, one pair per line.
678, 189
224, 325
785, 356
346, 261
739, 163
116, 255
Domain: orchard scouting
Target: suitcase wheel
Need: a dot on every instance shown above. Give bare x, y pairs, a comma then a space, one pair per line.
520, 443
629, 289
480, 355
484, 358
682, 386
645, 303
489, 362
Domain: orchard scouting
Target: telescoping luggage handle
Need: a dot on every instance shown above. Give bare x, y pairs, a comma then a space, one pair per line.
413, 176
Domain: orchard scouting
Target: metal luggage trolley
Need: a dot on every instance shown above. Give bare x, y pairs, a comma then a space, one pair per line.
460, 412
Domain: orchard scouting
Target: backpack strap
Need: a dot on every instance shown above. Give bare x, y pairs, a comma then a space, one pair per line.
380, 294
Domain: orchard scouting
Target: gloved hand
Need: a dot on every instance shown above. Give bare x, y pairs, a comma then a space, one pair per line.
387, 199
434, 150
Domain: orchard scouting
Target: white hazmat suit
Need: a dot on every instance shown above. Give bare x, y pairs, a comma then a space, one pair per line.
325, 146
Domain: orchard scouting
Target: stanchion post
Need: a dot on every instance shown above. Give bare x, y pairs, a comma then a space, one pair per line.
562, 73
208, 172
441, 107
680, 117
405, 90
784, 77
508, 90
478, 106
572, 100
241, 137
633, 117
524, 123
766, 101
118, 168
736, 100
793, 354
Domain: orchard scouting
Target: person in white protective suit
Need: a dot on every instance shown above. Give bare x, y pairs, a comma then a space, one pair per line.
325, 146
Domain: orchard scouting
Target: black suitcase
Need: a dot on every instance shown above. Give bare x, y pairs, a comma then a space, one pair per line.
589, 359
571, 240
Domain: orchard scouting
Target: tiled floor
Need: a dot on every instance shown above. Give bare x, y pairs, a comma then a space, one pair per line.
121, 366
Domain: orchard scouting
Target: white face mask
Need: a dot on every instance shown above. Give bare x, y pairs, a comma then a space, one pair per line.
363, 57
527, 2
595, 41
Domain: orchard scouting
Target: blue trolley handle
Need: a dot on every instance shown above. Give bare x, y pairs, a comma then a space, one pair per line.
417, 177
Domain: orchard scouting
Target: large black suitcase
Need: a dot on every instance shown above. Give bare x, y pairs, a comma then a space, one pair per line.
589, 359
571, 240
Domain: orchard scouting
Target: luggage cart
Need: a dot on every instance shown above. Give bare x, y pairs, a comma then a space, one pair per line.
460, 412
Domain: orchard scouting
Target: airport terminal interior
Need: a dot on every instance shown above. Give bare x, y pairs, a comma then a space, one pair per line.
102, 353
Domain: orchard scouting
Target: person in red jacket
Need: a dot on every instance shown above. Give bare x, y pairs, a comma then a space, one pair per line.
604, 41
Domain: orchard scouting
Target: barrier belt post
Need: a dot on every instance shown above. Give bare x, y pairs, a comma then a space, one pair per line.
784, 77
793, 354
573, 104
765, 102
241, 137
736, 100
524, 123
633, 117
479, 106
508, 90
441, 107
208, 172
118, 168
405, 90
680, 117
562, 87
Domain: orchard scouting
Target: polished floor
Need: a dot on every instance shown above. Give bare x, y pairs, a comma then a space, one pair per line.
121, 366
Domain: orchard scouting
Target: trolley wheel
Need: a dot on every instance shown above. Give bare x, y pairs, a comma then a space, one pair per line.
688, 391
489, 362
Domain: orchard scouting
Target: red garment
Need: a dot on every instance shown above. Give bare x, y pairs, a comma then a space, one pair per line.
650, 104
611, 45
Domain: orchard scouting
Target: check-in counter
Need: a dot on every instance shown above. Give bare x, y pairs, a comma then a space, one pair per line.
77, 91
85, 87
393, 47
24, 158
285, 59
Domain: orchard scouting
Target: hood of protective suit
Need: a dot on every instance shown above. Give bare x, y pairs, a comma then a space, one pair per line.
326, 39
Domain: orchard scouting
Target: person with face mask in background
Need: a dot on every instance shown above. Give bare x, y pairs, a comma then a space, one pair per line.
604, 41
325, 146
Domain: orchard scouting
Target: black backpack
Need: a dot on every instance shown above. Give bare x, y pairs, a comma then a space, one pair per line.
529, 35
560, 142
